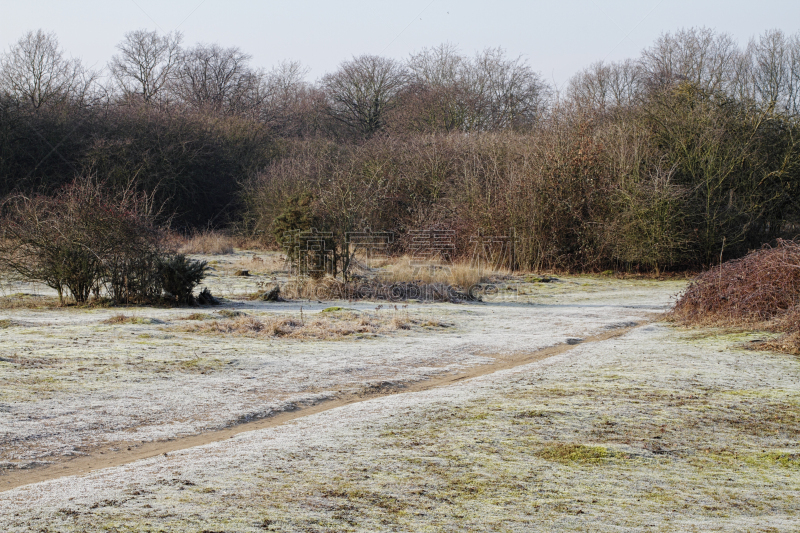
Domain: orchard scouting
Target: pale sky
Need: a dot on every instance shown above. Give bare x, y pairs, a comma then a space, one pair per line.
557, 38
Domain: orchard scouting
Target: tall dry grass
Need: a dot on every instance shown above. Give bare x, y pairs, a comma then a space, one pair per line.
459, 274
207, 242
332, 326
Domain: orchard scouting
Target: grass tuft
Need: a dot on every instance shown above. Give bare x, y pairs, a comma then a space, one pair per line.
197, 316
328, 326
125, 319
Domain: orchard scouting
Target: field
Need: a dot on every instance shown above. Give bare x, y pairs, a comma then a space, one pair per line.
565, 405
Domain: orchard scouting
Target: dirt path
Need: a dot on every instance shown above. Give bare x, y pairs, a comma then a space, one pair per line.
123, 453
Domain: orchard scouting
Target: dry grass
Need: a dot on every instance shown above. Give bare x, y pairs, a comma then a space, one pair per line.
462, 275
760, 290
197, 316
128, 319
207, 242
27, 301
330, 326
260, 264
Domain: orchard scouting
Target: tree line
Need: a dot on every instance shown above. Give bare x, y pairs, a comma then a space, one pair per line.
674, 159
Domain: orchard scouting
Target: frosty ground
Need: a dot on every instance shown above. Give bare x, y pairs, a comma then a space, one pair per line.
659, 428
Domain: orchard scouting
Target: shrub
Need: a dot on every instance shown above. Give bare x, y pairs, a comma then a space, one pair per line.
77, 241
179, 277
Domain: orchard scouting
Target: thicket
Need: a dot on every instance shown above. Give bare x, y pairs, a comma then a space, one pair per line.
678, 159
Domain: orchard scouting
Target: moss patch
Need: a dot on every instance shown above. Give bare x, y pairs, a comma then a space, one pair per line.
575, 453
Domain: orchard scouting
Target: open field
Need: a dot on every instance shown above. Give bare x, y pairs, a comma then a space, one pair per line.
563, 405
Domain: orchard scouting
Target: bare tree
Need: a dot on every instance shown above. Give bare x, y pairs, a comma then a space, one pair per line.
220, 79
486, 92
507, 92
603, 85
434, 98
291, 105
362, 90
441, 66
147, 63
35, 70
697, 55
773, 72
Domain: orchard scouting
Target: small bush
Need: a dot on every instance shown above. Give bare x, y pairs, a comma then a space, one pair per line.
179, 277
206, 298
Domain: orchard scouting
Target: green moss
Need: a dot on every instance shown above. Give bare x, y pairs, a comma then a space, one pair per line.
201, 365
575, 453
530, 414
784, 459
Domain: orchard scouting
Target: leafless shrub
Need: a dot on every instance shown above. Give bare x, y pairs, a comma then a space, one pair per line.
81, 240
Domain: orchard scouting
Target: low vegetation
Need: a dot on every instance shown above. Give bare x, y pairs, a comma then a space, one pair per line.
207, 243
458, 274
330, 324
760, 290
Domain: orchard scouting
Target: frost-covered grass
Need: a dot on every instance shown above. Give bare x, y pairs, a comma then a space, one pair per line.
75, 379
657, 430
518, 450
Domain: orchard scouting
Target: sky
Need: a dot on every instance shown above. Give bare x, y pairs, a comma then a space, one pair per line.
556, 38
